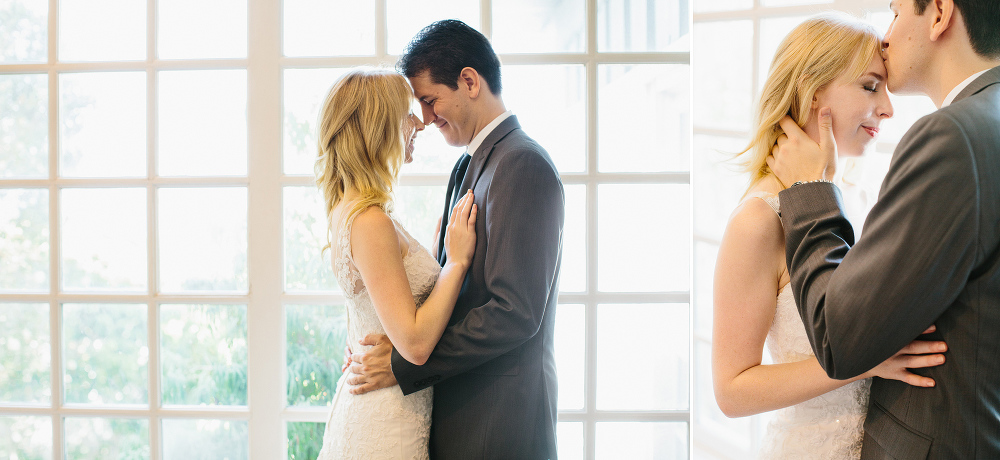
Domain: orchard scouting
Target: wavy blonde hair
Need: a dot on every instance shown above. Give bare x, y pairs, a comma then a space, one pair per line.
814, 54
361, 140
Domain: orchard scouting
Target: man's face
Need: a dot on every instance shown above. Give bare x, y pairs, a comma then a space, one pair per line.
446, 108
905, 47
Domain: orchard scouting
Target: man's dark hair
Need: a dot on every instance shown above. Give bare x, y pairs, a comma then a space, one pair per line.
982, 21
446, 47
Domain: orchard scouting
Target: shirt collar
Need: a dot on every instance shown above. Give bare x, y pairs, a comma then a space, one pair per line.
958, 89
478, 140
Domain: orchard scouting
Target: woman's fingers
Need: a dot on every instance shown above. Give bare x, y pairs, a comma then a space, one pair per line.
914, 379
472, 218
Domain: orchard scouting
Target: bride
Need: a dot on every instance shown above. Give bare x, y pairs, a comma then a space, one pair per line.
392, 284
829, 61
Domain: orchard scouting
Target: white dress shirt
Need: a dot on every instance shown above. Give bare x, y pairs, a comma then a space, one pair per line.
478, 140
958, 89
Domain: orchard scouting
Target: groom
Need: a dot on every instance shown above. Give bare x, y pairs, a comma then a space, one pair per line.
493, 370
930, 253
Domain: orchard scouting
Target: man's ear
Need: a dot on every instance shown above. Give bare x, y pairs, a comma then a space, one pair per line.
943, 16
470, 81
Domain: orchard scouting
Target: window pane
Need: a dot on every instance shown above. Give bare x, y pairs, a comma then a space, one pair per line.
24, 124
26, 437
642, 440
405, 18
109, 30
24, 31
570, 436
308, 32
432, 154
652, 25
723, 75
701, 6
317, 335
531, 26
25, 354
203, 123
659, 375
307, 265
643, 237
573, 271
772, 32
194, 29
418, 208
105, 353
554, 113
305, 91
103, 233
205, 439
204, 354
644, 118
107, 438
203, 239
102, 128
24, 240
705, 255
770, 3
305, 439
718, 184
570, 345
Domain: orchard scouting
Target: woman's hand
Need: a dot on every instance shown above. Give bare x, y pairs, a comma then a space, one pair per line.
919, 353
460, 239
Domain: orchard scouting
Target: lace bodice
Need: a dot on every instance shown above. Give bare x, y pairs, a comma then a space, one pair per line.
421, 271
382, 424
827, 427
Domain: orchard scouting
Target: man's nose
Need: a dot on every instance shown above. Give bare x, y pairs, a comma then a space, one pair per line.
427, 114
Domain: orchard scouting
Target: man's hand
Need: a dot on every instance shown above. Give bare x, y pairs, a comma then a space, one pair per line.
373, 369
797, 157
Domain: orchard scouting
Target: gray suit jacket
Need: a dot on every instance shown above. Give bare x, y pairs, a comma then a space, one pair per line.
493, 370
930, 255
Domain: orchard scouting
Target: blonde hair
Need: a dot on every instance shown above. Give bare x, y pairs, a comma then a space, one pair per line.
361, 140
814, 54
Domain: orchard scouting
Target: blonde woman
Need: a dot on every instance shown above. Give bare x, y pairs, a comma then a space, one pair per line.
392, 284
829, 61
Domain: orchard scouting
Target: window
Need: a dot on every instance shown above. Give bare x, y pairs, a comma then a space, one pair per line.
161, 287
735, 42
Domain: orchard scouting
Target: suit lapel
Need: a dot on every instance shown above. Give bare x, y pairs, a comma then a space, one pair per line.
482, 155
991, 77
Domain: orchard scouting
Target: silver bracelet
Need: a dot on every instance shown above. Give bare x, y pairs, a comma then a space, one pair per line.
811, 181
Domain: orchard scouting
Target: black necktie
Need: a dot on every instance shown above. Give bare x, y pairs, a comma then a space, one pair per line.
453, 195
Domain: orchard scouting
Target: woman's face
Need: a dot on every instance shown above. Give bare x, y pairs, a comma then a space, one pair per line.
858, 107
411, 126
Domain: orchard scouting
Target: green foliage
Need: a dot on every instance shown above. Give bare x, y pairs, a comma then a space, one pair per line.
106, 353
110, 439
24, 240
25, 370
305, 439
317, 336
26, 438
204, 354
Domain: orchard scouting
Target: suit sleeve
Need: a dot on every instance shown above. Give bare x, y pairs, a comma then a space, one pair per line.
524, 210
861, 305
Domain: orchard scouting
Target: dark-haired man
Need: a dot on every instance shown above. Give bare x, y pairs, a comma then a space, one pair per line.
931, 249
493, 370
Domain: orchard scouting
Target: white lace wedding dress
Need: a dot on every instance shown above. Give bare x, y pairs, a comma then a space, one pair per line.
382, 424
827, 427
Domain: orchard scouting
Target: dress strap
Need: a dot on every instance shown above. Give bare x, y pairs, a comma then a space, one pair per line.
769, 198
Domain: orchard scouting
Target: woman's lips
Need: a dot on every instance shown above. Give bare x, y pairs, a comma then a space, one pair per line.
873, 132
